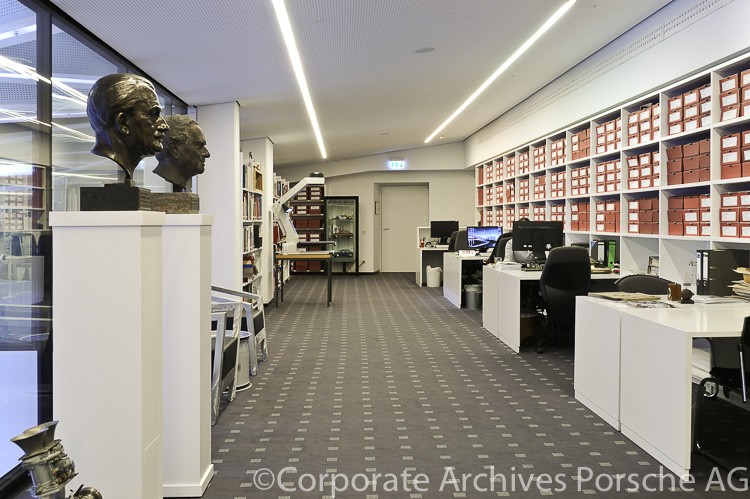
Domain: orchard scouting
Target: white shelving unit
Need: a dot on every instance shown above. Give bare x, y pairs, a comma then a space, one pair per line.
252, 218
501, 181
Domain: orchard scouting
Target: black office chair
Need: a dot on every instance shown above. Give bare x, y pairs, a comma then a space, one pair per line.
566, 274
462, 240
498, 252
649, 284
452, 242
730, 372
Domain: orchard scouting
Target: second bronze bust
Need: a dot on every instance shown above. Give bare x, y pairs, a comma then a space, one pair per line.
184, 152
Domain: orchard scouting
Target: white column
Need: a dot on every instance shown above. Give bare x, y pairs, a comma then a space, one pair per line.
219, 188
107, 361
187, 349
262, 149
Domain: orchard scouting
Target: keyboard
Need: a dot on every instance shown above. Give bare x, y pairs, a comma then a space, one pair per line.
532, 267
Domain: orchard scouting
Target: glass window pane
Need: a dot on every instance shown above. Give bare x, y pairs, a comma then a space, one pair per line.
24, 311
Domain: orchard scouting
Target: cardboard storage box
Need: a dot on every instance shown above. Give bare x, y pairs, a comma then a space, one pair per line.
728, 83
675, 229
731, 171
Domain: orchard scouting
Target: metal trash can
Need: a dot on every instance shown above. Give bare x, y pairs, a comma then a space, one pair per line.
473, 295
433, 277
243, 364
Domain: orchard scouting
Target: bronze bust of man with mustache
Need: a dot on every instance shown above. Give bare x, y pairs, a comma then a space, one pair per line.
124, 112
184, 152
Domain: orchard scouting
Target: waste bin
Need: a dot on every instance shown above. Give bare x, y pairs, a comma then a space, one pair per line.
473, 295
243, 363
433, 277
529, 320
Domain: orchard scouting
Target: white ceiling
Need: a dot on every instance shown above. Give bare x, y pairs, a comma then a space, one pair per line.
371, 91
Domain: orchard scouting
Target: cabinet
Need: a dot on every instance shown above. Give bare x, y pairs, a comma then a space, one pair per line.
252, 218
342, 227
664, 175
308, 217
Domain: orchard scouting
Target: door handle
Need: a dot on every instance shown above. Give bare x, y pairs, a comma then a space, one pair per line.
386, 228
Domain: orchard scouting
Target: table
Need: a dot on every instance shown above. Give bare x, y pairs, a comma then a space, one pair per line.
431, 256
454, 268
501, 299
636, 373
324, 256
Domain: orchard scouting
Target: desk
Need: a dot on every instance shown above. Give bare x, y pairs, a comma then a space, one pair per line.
324, 256
453, 270
431, 256
501, 299
636, 373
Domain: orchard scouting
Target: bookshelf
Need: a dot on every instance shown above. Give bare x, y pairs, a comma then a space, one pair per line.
252, 218
627, 173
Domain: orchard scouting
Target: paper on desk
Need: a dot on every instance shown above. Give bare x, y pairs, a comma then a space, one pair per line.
624, 296
708, 299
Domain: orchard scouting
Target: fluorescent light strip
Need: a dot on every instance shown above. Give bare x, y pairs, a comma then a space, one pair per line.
291, 47
552, 20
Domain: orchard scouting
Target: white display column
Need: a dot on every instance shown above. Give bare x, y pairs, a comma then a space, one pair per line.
107, 361
187, 355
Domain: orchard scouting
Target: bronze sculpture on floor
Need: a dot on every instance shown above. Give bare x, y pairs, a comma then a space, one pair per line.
183, 156
125, 113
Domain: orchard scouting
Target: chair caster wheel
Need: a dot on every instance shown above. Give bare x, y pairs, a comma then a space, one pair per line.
539, 350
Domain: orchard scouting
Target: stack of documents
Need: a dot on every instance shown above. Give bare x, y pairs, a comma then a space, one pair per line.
623, 296
742, 288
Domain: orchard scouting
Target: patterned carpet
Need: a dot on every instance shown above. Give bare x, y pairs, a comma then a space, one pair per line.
393, 392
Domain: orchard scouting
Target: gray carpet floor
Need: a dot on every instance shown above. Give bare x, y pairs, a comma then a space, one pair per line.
393, 392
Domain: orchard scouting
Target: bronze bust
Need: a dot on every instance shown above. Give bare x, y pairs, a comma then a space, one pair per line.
125, 114
184, 152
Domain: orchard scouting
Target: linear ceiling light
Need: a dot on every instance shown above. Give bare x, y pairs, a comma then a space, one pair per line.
552, 20
291, 47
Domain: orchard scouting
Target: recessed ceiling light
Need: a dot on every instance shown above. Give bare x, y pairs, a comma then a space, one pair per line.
424, 50
291, 47
528, 43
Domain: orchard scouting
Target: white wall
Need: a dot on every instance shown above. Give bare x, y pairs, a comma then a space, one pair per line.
681, 38
440, 167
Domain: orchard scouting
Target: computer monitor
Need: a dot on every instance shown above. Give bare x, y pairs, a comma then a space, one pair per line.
442, 229
537, 237
483, 238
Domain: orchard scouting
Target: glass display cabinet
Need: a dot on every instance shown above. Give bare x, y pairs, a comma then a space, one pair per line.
342, 226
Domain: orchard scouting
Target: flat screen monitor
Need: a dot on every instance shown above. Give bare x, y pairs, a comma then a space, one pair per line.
483, 238
537, 237
442, 230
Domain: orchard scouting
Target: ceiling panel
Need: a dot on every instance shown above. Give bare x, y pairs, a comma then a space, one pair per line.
371, 91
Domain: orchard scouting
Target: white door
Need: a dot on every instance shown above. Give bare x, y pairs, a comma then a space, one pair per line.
404, 208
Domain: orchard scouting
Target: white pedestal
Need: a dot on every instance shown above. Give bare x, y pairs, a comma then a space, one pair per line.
107, 361
187, 355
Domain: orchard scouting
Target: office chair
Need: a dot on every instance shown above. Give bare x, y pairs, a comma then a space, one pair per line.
452, 242
730, 372
649, 284
566, 274
498, 252
462, 240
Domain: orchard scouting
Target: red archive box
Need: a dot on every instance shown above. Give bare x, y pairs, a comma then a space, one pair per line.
729, 230
691, 216
675, 152
691, 163
675, 229
674, 103
692, 229
675, 202
731, 171
729, 83
675, 128
728, 99
692, 111
675, 215
691, 202
674, 178
690, 98
729, 215
733, 141
730, 199
730, 113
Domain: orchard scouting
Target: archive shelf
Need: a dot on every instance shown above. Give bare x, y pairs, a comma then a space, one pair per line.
710, 108
308, 217
252, 218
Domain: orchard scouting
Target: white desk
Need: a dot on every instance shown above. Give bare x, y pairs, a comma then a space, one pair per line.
656, 382
633, 367
431, 256
501, 300
453, 269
